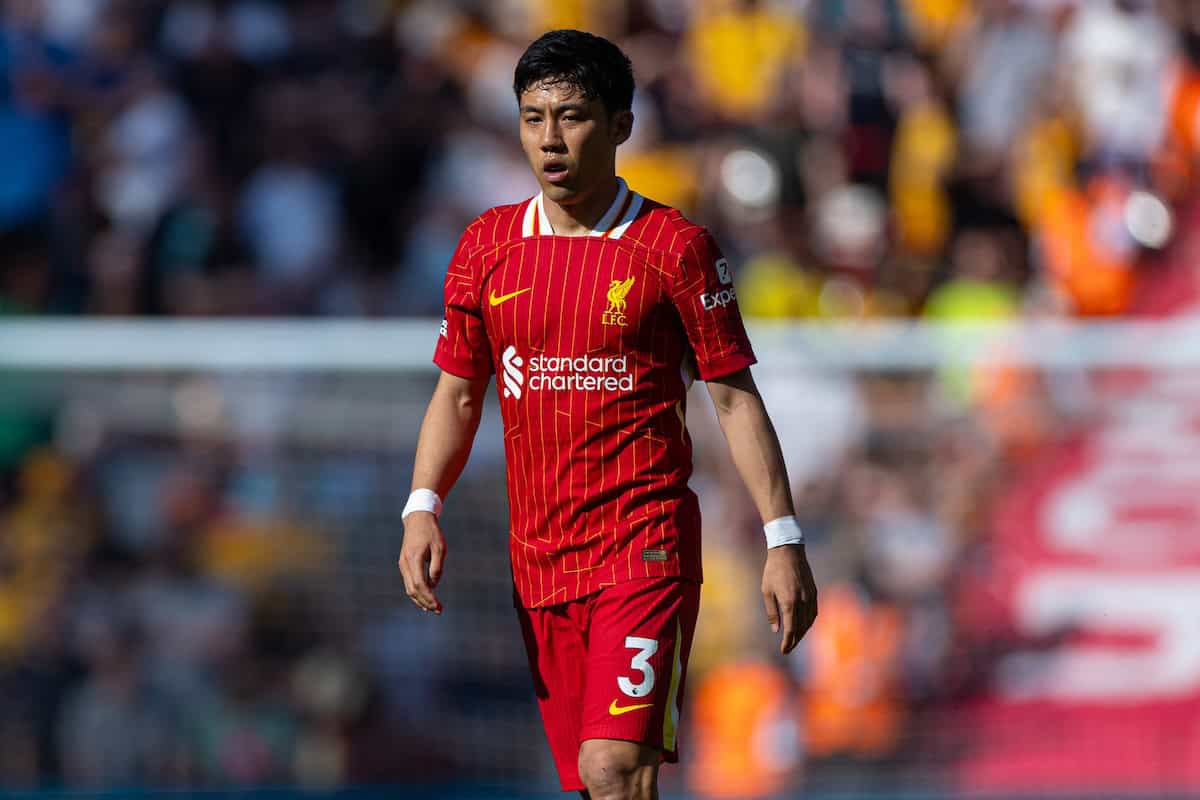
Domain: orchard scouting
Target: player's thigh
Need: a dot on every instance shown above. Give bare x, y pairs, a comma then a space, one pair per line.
639, 638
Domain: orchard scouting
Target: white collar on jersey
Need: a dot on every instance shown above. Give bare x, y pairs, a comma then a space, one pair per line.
612, 225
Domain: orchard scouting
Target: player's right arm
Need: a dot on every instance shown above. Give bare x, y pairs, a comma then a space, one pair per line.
442, 450
450, 422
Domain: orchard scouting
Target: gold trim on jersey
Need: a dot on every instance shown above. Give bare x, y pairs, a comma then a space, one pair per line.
671, 717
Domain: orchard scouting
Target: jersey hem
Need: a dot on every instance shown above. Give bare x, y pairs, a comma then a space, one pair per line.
459, 369
519, 602
725, 366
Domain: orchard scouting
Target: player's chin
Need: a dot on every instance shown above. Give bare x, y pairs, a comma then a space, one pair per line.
560, 192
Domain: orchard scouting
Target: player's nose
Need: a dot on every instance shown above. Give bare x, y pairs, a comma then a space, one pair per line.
552, 140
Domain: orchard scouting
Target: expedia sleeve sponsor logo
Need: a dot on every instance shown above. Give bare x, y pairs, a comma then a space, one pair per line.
445, 329
564, 373
718, 299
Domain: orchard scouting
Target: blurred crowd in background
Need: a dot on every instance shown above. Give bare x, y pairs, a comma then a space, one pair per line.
173, 608
855, 157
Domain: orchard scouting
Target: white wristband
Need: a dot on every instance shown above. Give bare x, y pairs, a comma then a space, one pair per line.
784, 530
422, 500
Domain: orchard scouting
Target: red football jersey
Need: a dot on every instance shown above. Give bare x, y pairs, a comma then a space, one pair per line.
590, 337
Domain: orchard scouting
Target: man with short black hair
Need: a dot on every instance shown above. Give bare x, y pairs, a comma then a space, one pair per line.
596, 307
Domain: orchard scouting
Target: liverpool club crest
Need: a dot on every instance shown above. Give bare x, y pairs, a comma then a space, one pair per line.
615, 313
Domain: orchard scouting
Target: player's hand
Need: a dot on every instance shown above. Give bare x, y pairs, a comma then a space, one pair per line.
422, 555
789, 594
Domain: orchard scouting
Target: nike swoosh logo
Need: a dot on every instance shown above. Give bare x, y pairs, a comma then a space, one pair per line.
617, 710
494, 300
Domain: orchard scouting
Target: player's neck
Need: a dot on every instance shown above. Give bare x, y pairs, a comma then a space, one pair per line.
580, 219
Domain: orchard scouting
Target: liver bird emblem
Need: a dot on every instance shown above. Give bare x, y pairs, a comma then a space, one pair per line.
617, 290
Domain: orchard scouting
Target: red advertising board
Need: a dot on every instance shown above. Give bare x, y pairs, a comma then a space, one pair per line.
1096, 575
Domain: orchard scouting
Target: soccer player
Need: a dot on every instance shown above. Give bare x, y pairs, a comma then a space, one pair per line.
595, 306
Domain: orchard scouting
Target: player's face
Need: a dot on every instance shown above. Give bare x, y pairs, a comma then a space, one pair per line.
570, 141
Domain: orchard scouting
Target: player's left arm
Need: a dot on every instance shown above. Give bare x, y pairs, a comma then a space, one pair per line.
788, 590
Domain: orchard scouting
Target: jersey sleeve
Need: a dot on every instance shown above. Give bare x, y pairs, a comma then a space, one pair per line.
462, 345
704, 296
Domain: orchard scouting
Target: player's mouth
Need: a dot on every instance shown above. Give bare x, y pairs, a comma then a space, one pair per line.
555, 171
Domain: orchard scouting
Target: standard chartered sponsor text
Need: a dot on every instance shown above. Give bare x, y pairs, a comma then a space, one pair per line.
574, 381
579, 373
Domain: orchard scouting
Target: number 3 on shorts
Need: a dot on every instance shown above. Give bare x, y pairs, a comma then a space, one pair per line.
641, 662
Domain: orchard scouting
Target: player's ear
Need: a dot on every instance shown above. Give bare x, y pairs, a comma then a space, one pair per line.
621, 126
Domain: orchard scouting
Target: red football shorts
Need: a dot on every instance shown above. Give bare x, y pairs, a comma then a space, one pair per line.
611, 665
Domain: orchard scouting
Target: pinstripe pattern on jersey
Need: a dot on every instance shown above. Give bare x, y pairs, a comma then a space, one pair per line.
595, 477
